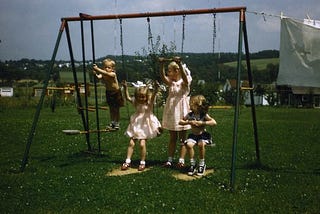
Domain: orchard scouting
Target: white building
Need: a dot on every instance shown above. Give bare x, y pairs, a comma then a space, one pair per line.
6, 92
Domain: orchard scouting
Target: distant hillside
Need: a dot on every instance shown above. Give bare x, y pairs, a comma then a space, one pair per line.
204, 66
258, 64
67, 77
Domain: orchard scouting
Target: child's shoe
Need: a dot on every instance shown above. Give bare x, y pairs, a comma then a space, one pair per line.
110, 126
125, 166
192, 170
113, 126
201, 170
180, 165
141, 167
168, 164
116, 126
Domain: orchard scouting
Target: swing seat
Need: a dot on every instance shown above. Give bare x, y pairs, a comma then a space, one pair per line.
75, 132
246, 88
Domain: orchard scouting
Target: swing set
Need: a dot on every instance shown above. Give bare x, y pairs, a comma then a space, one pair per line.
84, 109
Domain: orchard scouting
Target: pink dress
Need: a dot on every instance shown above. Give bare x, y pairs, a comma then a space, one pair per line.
143, 123
177, 105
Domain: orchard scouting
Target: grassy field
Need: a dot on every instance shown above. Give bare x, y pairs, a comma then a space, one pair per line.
258, 64
68, 76
61, 177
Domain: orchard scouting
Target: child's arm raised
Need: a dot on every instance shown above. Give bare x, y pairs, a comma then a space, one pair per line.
103, 72
182, 71
154, 94
163, 76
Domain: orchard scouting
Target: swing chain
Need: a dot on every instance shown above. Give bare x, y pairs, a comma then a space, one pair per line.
214, 33
183, 34
150, 41
121, 37
122, 52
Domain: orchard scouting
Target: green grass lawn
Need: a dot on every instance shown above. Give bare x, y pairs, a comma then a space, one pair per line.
61, 177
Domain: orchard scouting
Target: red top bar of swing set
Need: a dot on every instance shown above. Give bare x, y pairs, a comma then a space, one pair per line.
155, 14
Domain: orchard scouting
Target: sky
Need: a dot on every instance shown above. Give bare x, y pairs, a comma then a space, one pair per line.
29, 28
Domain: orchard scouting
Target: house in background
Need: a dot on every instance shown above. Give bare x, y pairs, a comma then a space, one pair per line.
6, 92
231, 84
299, 96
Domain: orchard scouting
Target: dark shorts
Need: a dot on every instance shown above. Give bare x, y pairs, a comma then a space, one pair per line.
114, 98
205, 137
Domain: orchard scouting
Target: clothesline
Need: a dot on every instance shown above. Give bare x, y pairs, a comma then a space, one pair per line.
281, 16
307, 20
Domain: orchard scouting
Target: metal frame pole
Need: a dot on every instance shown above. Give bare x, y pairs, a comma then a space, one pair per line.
85, 82
95, 86
236, 113
79, 102
37, 114
158, 14
253, 107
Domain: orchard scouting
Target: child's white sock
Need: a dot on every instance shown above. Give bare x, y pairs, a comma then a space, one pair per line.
181, 160
142, 162
192, 162
201, 162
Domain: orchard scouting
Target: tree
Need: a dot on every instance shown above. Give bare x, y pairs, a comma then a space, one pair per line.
273, 71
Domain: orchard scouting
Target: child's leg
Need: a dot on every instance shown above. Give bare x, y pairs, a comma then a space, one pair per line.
202, 150
143, 153
127, 162
114, 116
190, 149
130, 150
143, 150
183, 150
172, 145
111, 115
202, 165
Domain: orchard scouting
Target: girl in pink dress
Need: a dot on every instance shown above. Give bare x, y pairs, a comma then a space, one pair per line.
178, 80
143, 124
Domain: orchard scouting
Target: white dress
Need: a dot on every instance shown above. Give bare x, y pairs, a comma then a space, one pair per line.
177, 105
143, 123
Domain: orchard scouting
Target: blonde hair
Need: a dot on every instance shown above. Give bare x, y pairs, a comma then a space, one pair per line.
200, 102
108, 60
142, 90
173, 65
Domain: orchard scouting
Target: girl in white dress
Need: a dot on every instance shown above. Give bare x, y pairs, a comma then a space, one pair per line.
178, 80
143, 124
